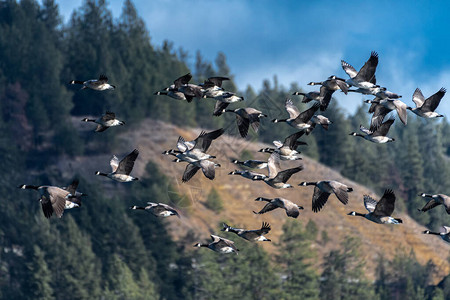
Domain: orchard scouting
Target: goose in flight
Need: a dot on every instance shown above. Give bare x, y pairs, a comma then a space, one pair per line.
52, 198
219, 244
105, 121
256, 235
296, 119
292, 209
323, 189
100, 84
425, 107
121, 169
379, 211
158, 209
365, 78
277, 179
379, 135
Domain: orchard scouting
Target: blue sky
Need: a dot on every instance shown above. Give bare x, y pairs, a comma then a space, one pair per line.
303, 41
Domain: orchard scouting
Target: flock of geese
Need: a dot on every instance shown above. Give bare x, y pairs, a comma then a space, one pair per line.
56, 199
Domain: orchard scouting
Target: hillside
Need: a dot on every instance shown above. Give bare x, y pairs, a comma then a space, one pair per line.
153, 137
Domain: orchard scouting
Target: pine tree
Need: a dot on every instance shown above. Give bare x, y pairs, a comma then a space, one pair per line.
343, 276
295, 255
39, 283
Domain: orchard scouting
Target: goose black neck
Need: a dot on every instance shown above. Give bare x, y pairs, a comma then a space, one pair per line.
101, 174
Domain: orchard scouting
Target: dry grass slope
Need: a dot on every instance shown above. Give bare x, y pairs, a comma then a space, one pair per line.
238, 194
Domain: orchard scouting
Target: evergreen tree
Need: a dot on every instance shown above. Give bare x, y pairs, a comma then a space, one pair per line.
39, 282
343, 276
295, 255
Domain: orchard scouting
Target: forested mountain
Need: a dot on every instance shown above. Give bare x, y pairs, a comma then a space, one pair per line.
102, 251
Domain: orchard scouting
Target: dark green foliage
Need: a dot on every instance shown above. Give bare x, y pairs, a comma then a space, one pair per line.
248, 275
300, 281
343, 277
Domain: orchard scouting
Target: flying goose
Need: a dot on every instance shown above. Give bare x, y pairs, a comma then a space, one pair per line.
378, 135
195, 150
277, 179
323, 189
323, 97
444, 233
182, 85
379, 92
318, 120
100, 84
425, 107
439, 199
105, 121
248, 174
121, 170
53, 199
212, 87
223, 100
74, 197
254, 164
379, 212
219, 244
328, 87
365, 78
246, 117
296, 119
175, 95
287, 149
388, 106
158, 209
256, 235
292, 209
208, 168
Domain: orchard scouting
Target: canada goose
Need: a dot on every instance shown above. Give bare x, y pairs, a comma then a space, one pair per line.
425, 107
379, 135
292, 209
308, 97
323, 189
105, 121
74, 197
379, 212
365, 78
296, 119
175, 95
100, 84
121, 170
444, 233
379, 92
248, 174
158, 209
212, 87
289, 155
219, 244
318, 120
333, 83
256, 235
327, 89
223, 100
254, 164
277, 179
192, 151
181, 84
208, 168
389, 105
439, 199
246, 117
287, 149
53, 199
